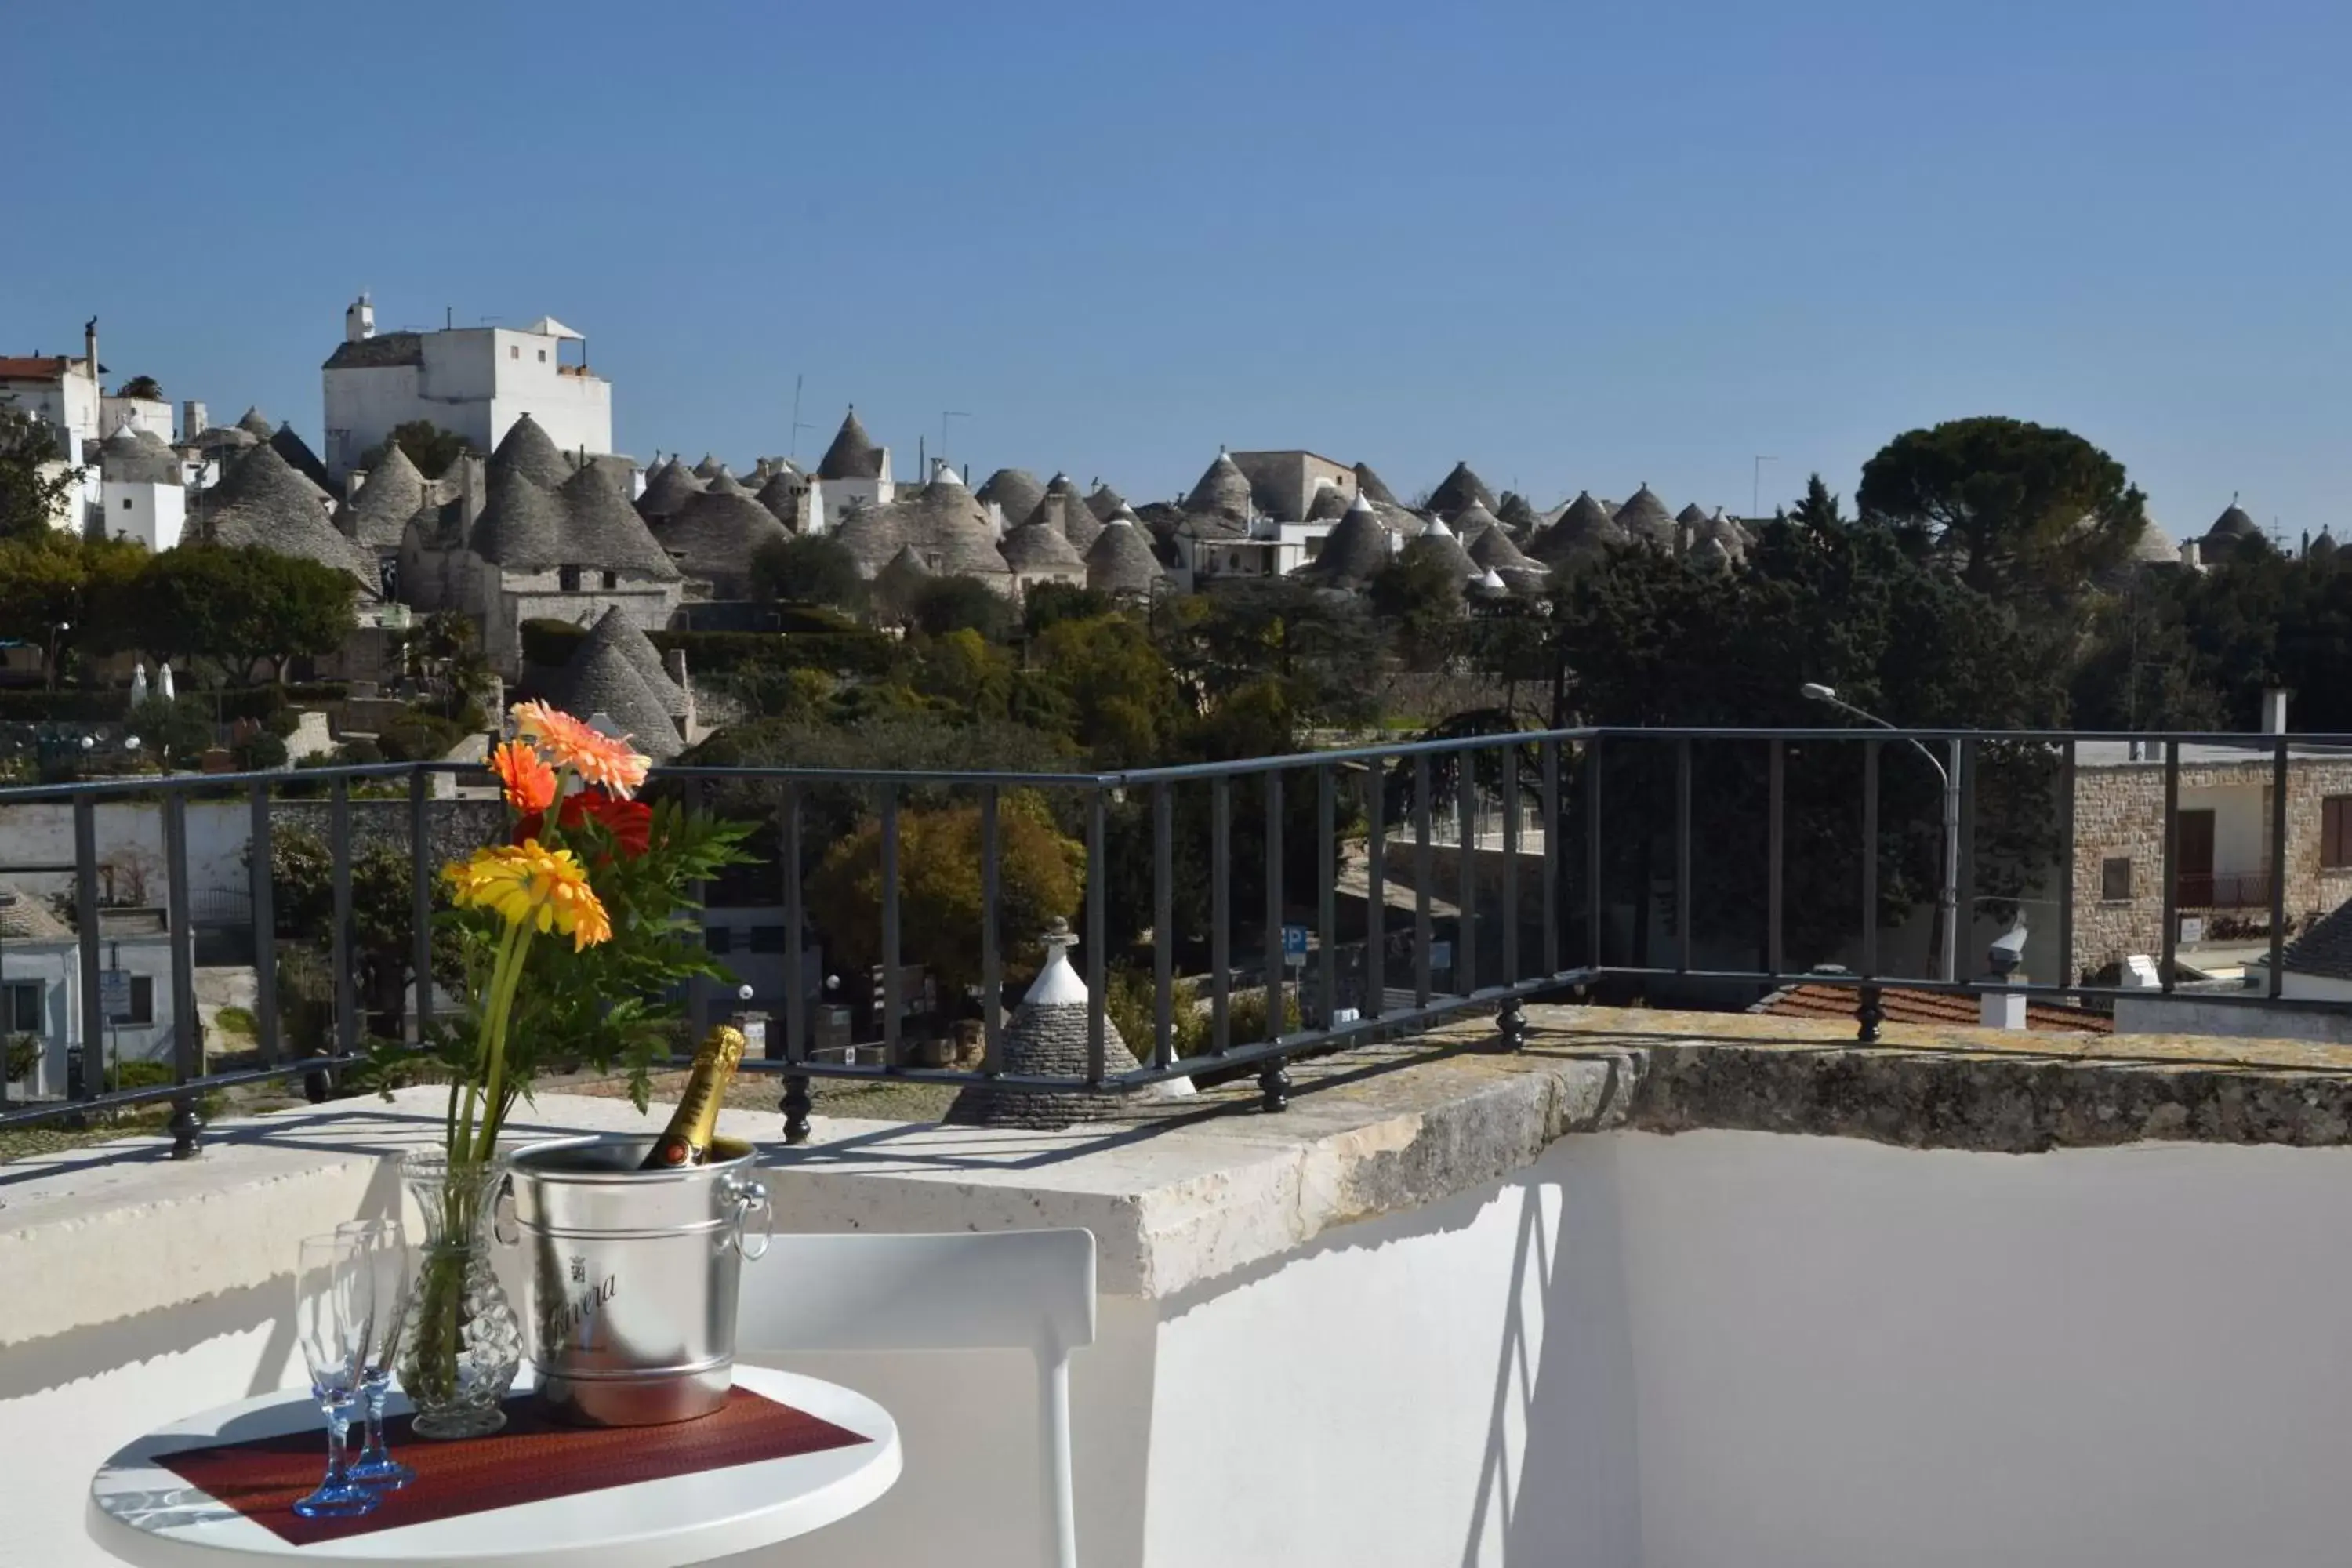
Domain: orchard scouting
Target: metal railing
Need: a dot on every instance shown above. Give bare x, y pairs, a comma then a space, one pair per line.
2225, 889
1253, 851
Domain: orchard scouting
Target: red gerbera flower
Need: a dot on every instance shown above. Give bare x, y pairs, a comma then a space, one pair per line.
630, 822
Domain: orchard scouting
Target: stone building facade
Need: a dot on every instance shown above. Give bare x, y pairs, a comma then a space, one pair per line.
2118, 852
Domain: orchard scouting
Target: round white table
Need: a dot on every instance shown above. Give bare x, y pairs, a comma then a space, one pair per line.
146, 1515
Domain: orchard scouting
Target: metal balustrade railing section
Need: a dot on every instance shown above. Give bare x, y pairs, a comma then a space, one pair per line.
1535, 863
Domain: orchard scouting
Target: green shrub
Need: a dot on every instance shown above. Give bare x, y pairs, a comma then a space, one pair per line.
418, 737
124, 1076
259, 752
238, 1021
24, 1056
283, 723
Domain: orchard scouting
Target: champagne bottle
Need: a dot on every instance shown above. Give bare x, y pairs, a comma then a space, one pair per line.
687, 1139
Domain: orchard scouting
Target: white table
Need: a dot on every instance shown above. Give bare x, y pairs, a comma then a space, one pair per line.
148, 1516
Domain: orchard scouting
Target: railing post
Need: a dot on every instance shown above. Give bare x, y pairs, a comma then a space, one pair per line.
1375, 891
1272, 1081
1869, 1015
420, 894
797, 1102
187, 1049
2068, 974
1221, 913
891, 981
1098, 885
1513, 1023
339, 835
2278, 866
1776, 957
1163, 926
1592, 906
1682, 912
1423, 870
992, 958
94, 1021
2171, 861
263, 884
1326, 893
1465, 877
1551, 861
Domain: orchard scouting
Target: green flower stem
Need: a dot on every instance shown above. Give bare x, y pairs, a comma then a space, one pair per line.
506, 978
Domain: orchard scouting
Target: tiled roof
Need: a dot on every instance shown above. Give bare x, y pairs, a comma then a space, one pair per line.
1908, 1006
32, 367
383, 349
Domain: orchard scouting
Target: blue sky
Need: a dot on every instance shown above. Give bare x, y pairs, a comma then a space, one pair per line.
1579, 245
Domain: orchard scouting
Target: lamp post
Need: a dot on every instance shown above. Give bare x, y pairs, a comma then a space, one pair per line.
57, 631
1948, 900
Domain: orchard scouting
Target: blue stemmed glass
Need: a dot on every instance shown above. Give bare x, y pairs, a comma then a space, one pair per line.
383, 1253
331, 1323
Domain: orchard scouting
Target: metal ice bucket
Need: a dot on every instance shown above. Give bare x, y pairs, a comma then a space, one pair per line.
629, 1294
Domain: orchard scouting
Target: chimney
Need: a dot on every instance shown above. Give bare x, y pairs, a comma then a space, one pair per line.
194, 419
359, 319
89, 344
2274, 710
2189, 555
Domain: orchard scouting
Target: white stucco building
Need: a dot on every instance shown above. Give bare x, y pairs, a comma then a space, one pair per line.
63, 393
140, 491
854, 473
473, 381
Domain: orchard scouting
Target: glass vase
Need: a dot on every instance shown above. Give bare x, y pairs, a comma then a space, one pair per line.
461, 1345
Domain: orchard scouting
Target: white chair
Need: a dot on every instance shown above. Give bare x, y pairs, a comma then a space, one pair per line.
1013, 1289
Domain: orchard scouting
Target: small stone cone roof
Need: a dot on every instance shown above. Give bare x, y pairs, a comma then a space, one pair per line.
125, 460
255, 424
1710, 553
900, 577
853, 455
2233, 524
1458, 491
624, 635
1371, 486
2154, 547
1584, 527
1040, 545
263, 502
24, 919
522, 527
1518, 513
1473, 521
667, 488
603, 530
305, 462
1013, 491
1329, 505
1645, 520
1222, 487
942, 520
726, 484
781, 495
1438, 541
715, 534
1493, 548
1355, 549
711, 468
872, 535
600, 680
1121, 561
378, 516
2322, 548
1062, 506
1104, 502
528, 450
1047, 1037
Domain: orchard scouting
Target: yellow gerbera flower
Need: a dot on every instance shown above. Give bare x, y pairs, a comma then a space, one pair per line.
528, 884
596, 757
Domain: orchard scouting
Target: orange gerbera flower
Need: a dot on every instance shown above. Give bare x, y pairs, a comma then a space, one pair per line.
596, 757
529, 782
528, 884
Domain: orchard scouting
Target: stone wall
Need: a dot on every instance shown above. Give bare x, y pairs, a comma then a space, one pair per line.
2119, 812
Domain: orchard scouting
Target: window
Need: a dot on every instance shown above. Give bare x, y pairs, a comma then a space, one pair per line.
514, 350
25, 1008
2114, 879
126, 503
768, 939
2336, 832
1314, 547
542, 356
568, 579
612, 579
718, 939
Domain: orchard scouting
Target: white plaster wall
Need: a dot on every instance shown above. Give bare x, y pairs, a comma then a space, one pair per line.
154, 515
129, 835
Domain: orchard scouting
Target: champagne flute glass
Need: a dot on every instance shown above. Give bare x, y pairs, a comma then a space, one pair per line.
331, 1323
384, 1252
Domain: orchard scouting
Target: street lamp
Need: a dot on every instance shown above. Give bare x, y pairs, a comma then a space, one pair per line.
1948, 900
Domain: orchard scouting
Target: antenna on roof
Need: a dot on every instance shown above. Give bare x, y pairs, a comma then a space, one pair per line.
797, 427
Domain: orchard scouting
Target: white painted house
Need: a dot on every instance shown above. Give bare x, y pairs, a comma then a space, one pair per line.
473, 381
40, 987
140, 491
64, 394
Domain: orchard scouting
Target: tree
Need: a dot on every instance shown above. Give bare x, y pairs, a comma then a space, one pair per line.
1047, 603
813, 569
1041, 877
1316, 647
429, 447
948, 603
63, 594
1419, 597
2017, 509
176, 734
444, 657
1117, 697
141, 387
238, 605
32, 498
1818, 513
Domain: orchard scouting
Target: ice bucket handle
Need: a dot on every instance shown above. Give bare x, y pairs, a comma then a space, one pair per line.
502, 1215
746, 1197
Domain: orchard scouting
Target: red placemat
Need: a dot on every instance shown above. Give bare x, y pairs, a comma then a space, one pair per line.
534, 1457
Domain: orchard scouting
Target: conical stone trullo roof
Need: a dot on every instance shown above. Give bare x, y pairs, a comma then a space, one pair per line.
1354, 551
1583, 528
1373, 488
256, 424
1459, 491
528, 449
1013, 491
1121, 561
1646, 521
1104, 502
1329, 505
1047, 1037
264, 501
1222, 489
1517, 514
304, 461
667, 488
624, 635
600, 680
1040, 545
1438, 540
124, 459
603, 530
853, 455
379, 514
